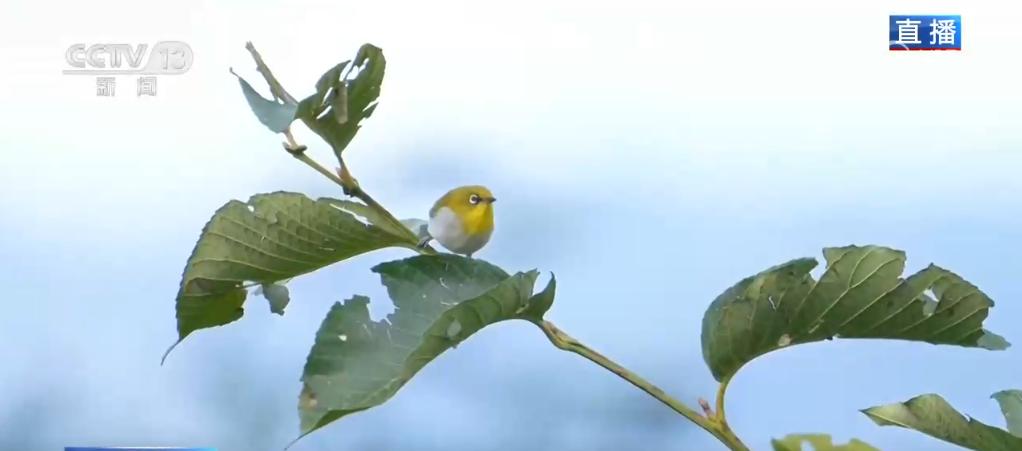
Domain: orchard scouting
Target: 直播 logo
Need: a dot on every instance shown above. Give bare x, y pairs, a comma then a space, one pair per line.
925, 32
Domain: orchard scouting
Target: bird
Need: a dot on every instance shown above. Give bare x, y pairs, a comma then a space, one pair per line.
461, 220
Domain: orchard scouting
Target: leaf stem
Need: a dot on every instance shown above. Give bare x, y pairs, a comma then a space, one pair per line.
719, 417
721, 390
714, 425
276, 88
352, 188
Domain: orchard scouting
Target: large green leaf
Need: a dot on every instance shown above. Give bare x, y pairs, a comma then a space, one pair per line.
270, 238
818, 442
933, 416
860, 295
357, 363
342, 100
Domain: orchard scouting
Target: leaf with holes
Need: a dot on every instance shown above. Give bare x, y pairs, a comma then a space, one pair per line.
933, 416
817, 442
860, 295
342, 100
270, 238
440, 300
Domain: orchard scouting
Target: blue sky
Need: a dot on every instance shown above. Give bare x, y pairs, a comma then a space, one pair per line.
650, 156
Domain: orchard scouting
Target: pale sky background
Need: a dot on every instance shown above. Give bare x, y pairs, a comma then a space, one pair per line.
649, 153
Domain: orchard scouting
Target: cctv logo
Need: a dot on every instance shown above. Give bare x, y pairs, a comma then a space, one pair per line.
165, 58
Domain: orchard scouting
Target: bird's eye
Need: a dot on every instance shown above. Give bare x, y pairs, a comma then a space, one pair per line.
474, 199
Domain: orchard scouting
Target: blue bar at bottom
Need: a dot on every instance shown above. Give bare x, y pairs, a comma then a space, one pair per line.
134, 448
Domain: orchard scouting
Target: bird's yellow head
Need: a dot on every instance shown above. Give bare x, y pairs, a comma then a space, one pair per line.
472, 204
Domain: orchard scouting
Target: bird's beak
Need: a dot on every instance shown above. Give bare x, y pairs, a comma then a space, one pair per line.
491, 200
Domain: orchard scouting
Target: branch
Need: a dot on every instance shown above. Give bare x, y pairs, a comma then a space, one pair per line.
351, 188
714, 423
276, 88
714, 426
342, 178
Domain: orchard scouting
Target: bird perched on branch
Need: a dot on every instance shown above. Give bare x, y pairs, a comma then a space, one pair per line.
462, 220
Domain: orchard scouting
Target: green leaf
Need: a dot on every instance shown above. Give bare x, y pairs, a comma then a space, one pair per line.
541, 302
342, 101
276, 116
1011, 406
933, 416
314, 105
440, 300
270, 238
375, 218
860, 295
819, 442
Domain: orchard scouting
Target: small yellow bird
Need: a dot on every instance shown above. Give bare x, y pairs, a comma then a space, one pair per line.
462, 220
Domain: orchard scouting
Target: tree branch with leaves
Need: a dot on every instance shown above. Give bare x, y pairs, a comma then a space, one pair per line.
440, 300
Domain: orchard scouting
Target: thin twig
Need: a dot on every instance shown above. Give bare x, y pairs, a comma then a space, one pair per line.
291, 145
276, 88
564, 341
356, 191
